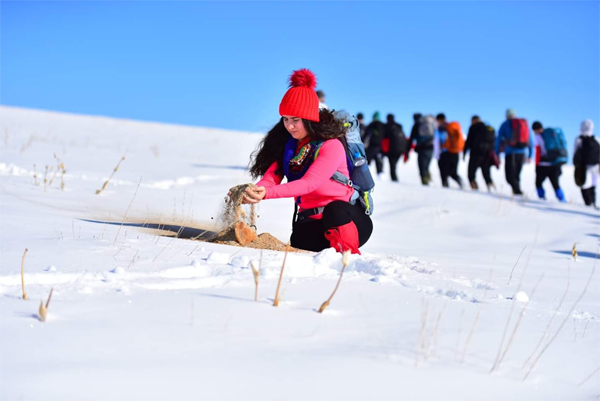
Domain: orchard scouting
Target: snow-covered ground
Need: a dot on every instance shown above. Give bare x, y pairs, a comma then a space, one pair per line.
420, 315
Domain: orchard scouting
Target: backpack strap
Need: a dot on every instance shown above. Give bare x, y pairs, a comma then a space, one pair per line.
342, 179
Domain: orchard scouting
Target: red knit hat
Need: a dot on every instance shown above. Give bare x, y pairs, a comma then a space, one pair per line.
301, 100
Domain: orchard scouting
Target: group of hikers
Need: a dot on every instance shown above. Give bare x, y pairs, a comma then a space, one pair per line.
435, 136
325, 157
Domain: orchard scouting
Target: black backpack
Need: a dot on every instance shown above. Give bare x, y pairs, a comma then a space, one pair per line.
485, 137
398, 141
590, 151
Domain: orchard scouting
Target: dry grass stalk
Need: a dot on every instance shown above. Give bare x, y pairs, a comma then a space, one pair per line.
99, 191
462, 314
423, 332
126, 211
589, 377
256, 273
512, 306
46, 178
574, 252
464, 352
59, 167
513, 269
35, 182
43, 311
23, 274
587, 284
277, 299
345, 262
512, 336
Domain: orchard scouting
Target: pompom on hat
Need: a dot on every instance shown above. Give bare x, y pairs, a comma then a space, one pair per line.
301, 100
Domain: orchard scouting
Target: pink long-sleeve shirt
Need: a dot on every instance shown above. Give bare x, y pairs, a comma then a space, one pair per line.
315, 188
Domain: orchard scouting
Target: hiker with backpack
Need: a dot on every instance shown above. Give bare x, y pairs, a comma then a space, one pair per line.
586, 159
373, 138
422, 133
515, 140
361, 126
321, 155
394, 144
551, 154
480, 142
449, 144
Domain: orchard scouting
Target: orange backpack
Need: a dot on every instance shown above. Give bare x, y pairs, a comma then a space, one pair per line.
455, 142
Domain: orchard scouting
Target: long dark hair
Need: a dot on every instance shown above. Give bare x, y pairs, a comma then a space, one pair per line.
272, 146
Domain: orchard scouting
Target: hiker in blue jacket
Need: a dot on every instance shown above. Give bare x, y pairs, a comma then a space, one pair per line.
516, 141
551, 153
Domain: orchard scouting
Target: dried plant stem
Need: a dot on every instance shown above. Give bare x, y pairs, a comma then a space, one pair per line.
276, 301
99, 191
422, 334
512, 307
256, 273
45, 178
551, 319
512, 336
462, 314
23, 274
587, 284
513, 269
49, 298
43, 310
34, 175
345, 261
464, 352
589, 377
126, 211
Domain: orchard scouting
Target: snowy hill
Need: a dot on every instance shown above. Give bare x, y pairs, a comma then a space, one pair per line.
422, 314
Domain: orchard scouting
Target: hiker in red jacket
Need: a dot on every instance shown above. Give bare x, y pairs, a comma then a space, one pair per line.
306, 147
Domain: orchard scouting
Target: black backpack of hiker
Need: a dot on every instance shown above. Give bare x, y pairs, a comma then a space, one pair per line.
487, 138
590, 151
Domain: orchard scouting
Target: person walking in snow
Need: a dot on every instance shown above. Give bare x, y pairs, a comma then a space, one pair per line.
480, 142
306, 146
551, 154
321, 96
374, 137
422, 133
515, 140
362, 127
448, 145
586, 159
394, 144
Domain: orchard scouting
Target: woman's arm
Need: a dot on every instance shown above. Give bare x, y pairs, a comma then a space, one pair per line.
331, 156
270, 179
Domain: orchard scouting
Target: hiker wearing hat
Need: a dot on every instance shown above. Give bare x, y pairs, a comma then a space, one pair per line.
587, 162
515, 140
374, 137
306, 147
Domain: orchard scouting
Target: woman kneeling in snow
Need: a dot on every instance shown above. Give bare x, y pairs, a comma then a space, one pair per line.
306, 147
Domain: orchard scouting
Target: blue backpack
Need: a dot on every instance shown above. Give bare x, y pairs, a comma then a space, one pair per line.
556, 146
360, 176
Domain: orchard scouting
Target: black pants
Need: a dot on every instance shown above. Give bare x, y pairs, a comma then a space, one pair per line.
589, 196
483, 161
393, 158
551, 172
513, 164
309, 234
424, 160
374, 153
448, 168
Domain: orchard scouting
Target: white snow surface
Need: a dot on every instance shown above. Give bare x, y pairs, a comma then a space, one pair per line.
420, 315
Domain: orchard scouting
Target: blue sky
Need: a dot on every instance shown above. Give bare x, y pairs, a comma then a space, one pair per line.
225, 64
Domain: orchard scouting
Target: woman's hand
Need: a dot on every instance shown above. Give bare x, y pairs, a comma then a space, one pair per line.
254, 195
